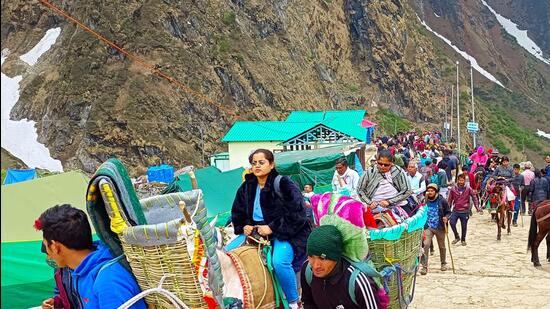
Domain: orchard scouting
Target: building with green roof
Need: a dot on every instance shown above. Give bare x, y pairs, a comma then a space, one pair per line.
302, 130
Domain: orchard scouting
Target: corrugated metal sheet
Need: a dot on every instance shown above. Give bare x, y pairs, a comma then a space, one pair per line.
347, 122
250, 131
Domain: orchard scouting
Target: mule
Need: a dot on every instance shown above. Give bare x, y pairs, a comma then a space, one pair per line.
502, 210
539, 228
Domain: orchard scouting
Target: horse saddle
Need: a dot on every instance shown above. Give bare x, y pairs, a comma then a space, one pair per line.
254, 277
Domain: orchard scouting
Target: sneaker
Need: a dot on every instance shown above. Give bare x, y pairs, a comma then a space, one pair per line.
463, 243
515, 224
455, 241
443, 267
424, 271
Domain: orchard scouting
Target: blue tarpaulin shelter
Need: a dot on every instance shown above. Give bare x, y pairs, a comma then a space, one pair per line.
15, 176
162, 173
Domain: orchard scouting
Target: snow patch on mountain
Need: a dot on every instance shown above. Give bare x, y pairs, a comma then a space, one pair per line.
543, 134
521, 35
20, 137
471, 59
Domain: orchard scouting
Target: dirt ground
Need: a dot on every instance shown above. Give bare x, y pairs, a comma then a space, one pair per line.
489, 273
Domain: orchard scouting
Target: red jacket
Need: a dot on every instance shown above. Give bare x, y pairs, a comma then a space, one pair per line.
460, 202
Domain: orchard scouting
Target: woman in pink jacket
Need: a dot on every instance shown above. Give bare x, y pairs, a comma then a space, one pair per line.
479, 158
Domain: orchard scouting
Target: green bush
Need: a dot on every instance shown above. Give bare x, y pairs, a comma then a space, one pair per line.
223, 45
4, 172
389, 122
498, 144
353, 88
500, 124
229, 18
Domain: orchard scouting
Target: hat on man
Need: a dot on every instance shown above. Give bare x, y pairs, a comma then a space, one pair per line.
325, 242
433, 186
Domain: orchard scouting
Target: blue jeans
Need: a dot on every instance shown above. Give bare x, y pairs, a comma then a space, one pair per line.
283, 255
517, 206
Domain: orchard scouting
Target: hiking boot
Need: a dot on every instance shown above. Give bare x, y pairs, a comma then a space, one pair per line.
444, 267
455, 241
463, 243
424, 271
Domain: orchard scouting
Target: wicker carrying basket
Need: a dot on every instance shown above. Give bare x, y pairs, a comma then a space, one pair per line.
150, 263
395, 252
403, 251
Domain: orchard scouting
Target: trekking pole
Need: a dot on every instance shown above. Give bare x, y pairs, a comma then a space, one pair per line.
450, 252
520, 212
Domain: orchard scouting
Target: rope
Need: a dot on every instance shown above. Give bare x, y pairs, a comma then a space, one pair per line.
265, 275
261, 242
137, 59
176, 302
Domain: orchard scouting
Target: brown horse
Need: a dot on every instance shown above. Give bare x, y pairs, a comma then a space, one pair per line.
540, 218
498, 201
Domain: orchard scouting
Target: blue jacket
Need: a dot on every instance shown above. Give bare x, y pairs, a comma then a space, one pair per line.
102, 282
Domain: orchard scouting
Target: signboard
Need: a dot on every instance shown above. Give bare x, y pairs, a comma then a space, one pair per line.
472, 127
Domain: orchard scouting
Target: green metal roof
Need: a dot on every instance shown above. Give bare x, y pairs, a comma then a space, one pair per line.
347, 122
305, 116
253, 131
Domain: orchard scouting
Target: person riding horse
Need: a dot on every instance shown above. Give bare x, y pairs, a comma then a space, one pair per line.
273, 205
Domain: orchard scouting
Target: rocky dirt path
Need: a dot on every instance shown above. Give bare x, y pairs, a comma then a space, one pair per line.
489, 273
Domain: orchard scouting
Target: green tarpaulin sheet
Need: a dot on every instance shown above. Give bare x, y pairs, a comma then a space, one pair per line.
26, 278
312, 166
219, 188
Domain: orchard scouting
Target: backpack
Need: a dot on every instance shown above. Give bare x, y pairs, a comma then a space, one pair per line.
277, 186
366, 267
399, 160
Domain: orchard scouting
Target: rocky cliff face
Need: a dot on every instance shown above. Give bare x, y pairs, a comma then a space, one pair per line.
250, 59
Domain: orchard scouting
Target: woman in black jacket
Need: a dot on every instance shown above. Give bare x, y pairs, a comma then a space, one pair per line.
279, 214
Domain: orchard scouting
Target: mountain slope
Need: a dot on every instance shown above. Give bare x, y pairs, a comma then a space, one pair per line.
248, 60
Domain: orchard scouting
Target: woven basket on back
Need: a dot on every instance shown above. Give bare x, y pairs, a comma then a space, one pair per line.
404, 251
150, 263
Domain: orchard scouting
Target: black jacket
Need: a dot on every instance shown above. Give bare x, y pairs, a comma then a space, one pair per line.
541, 188
286, 217
333, 291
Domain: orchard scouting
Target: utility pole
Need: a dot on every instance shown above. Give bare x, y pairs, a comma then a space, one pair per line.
473, 109
452, 108
446, 124
457, 109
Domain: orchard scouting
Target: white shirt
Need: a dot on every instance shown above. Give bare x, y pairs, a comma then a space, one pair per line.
350, 179
417, 185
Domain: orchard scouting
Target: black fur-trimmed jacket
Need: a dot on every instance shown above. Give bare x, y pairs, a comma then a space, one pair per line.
286, 217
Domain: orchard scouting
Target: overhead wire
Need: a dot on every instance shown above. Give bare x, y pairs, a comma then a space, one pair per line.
140, 61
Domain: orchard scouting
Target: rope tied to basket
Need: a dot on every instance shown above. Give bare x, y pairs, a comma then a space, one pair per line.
396, 269
176, 302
